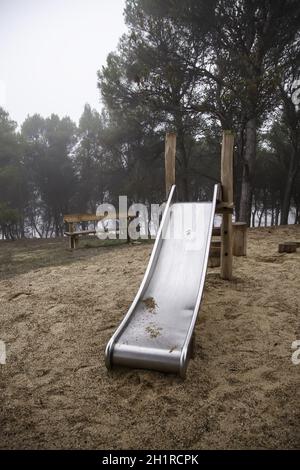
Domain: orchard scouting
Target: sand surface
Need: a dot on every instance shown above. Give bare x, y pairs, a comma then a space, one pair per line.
58, 310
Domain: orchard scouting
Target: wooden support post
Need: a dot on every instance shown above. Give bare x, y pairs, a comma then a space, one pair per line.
214, 262
227, 198
240, 230
214, 251
214, 259
216, 232
215, 244
71, 230
170, 154
76, 242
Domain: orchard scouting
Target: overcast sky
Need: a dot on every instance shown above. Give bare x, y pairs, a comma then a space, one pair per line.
50, 51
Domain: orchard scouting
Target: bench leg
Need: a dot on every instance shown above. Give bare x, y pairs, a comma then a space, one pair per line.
71, 242
76, 242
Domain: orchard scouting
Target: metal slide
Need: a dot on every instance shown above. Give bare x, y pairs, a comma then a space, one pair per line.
156, 332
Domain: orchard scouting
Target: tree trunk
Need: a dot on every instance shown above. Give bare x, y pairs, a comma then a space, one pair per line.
238, 170
260, 217
296, 215
248, 167
272, 212
253, 210
184, 165
253, 218
265, 207
277, 212
285, 207
266, 217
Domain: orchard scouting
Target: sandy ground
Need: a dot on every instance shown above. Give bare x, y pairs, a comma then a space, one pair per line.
58, 309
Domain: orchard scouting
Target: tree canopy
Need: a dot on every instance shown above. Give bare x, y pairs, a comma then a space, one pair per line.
193, 67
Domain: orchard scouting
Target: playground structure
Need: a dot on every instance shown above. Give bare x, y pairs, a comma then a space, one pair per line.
158, 330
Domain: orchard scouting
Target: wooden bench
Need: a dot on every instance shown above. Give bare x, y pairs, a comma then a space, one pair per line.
74, 235
288, 247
